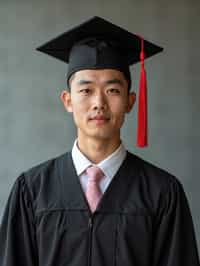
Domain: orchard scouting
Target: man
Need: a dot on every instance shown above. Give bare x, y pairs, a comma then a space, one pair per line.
98, 204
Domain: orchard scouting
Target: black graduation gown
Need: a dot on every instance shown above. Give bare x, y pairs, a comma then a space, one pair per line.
143, 219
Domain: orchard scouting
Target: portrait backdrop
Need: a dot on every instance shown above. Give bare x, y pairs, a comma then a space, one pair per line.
35, 127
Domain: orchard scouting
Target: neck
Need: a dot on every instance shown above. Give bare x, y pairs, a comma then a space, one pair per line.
97, 150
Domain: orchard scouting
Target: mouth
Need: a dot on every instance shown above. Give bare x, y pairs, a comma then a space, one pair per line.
99, 119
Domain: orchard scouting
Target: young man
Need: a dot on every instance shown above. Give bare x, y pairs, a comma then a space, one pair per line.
98, 204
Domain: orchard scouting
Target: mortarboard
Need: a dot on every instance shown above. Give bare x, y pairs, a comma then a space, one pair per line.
99, 44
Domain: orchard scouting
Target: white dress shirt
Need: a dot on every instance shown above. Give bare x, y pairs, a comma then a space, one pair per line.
109, 165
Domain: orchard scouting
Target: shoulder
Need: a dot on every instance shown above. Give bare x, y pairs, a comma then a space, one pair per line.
43, 177
157, 179
163, 191
46, 168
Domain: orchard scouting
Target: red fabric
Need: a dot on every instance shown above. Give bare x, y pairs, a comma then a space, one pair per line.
142, 134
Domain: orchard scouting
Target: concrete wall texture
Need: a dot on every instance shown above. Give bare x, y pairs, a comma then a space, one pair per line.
35, 127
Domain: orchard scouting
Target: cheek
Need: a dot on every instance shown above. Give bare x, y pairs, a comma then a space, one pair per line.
78, 103
118, 111
80, 109
118, 107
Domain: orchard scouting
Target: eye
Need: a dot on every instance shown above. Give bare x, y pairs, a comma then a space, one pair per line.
114, 90
85, 91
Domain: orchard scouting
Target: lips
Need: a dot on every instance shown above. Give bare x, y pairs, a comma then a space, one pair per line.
99, 117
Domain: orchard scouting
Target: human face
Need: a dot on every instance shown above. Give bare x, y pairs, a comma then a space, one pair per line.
98, 100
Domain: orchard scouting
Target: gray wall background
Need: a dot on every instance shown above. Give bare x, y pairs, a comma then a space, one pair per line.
35, 127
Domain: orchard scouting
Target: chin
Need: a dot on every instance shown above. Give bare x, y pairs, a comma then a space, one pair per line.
102, 135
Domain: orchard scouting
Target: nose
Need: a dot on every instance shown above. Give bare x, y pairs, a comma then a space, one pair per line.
99, 101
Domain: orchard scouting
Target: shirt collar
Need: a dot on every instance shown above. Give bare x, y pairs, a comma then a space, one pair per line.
109, 165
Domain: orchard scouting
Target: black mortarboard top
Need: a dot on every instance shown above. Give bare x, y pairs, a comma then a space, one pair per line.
99, 44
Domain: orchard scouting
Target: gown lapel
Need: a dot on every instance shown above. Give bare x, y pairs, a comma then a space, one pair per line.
113, 198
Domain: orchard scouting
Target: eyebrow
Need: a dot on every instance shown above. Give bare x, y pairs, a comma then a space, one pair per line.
107, 82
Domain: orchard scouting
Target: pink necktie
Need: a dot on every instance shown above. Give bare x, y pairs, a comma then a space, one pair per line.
93, 192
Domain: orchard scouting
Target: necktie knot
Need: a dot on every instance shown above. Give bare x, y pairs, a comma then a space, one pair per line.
94, 173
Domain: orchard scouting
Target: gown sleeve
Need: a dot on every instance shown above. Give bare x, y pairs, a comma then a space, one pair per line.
17, 234
174, 238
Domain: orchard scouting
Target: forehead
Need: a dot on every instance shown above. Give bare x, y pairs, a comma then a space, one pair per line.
98, 75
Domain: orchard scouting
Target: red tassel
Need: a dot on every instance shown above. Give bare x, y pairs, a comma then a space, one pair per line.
142, 137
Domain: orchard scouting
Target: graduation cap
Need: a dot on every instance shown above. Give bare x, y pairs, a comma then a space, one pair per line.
99, 44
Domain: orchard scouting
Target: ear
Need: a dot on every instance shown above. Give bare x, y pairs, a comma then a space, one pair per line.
65, 97
131, 101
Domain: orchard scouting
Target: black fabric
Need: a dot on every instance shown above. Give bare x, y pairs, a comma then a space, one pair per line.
98, 44
94, 53
143, 219
129, 43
